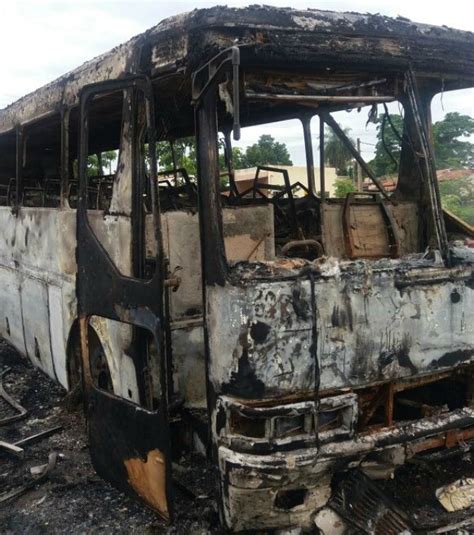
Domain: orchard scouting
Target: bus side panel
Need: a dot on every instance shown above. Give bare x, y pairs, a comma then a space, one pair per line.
44, 251
34, 302
59, 332
11, 323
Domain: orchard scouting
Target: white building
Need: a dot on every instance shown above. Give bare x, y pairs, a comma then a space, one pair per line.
244, 178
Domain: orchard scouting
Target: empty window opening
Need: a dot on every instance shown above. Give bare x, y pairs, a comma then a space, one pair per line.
388, 404
248, 427
105, 131
7, 168
41, 172
453, 139
176, 160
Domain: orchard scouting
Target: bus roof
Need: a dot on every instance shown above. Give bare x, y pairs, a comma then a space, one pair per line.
280, 38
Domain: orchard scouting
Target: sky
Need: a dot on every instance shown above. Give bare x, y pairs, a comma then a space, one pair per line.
41, 40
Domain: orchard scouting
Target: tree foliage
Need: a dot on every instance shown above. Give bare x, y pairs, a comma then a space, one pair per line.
185, 152
343, 186
458, 197
451, 150
238, 157
336, 154
107, 160
387, 149
451, 146
266, 151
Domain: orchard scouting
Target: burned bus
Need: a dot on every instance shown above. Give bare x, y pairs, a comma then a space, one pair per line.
288, 338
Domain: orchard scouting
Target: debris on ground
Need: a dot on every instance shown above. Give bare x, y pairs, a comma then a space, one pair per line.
72, 497
364, 505
10, 409
457, 496
40, 474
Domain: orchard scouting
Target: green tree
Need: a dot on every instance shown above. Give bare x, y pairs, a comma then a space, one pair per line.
458, 197
238, 158
343, 186
336, 154
387, 148
266, 151
105, 166
450, 149
185, 151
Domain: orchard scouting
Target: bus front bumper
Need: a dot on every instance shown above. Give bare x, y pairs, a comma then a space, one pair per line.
286, 489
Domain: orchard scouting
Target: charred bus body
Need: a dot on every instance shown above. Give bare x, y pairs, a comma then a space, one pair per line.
292, 337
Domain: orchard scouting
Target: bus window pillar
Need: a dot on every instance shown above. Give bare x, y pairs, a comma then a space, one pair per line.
20, 161
210, 215
308, 145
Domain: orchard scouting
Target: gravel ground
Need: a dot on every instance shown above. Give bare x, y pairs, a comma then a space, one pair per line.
73, 498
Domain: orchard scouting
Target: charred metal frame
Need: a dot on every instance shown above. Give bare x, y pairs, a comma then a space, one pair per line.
229, 160
275, 361
421, 122
65, 167
328, 119
204, 87
104, 292
20, 147
20, 411
394, 241
308, 145
208, 75
322, 160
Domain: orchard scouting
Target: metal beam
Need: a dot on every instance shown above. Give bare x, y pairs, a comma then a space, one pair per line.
329, 119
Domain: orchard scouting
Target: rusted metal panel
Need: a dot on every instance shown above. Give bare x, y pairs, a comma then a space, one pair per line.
38, 265
189, 360
36, 262
248, 236
367, 328
252, 482
261, 339
59, 328
406, 223
36, 323
128, 446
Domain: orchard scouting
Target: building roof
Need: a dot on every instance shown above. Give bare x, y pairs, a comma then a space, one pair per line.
444, 175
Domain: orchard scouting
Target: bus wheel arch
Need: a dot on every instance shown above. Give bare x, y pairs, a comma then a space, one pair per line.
99, 367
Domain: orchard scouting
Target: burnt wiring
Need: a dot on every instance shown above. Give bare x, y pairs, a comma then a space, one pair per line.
390, 122
384, 144
386, 118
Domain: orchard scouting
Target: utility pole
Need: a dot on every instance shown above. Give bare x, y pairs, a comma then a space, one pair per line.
358, 170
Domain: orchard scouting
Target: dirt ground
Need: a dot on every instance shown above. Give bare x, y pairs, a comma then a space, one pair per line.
74, 498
